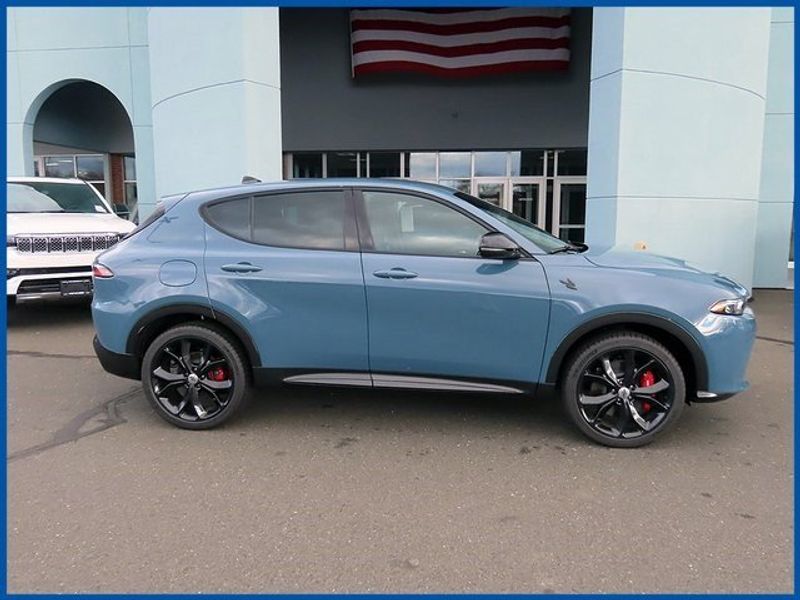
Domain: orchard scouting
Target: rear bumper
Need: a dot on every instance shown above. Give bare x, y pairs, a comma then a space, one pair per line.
121, 365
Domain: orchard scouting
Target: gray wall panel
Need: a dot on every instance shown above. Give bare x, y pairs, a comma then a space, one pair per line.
325, 109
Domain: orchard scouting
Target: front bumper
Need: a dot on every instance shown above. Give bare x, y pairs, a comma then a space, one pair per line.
45, 284
727, 343
121, 365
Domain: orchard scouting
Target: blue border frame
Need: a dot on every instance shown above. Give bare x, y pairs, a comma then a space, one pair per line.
395, 3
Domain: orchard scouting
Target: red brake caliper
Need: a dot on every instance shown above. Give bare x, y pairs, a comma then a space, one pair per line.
218, 374
646, 380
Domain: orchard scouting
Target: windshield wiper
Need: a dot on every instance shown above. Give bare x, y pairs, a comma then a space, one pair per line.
565, 248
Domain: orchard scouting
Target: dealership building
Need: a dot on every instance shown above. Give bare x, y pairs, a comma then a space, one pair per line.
665, 130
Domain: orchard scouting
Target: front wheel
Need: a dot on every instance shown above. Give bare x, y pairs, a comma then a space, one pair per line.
623, 389
194, 376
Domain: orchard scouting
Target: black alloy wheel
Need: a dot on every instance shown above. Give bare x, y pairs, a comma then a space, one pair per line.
624, 389
194, 376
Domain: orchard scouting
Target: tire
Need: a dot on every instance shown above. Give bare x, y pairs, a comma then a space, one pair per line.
600, 408
163, 366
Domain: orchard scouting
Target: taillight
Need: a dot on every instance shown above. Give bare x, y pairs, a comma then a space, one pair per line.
101, 271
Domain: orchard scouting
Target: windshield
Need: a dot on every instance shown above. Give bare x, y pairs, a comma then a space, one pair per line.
47, 197
547, 242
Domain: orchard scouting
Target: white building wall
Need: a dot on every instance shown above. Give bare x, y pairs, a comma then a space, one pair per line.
777, 165
675, 132
215, 76
50, 47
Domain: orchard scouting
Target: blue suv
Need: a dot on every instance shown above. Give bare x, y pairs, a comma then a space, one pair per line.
390, 284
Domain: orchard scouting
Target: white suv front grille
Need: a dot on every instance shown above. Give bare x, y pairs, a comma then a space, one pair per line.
65, 243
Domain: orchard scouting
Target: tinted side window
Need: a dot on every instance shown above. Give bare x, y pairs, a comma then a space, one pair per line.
405, 224
313, 219
231, 217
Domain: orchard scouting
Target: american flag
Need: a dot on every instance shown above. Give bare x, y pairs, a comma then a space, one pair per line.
459, 43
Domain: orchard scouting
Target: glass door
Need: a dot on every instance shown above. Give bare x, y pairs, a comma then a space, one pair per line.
527, 200
569, 208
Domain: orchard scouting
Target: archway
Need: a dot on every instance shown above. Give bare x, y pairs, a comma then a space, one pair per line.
82, 130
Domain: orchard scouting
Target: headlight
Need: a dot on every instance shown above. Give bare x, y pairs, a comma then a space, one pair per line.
11, 241
734, 306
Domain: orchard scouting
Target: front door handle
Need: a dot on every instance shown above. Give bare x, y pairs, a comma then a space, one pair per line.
395, 273
241, 267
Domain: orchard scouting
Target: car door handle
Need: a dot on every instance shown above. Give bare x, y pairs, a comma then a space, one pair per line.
241, 267
395, 273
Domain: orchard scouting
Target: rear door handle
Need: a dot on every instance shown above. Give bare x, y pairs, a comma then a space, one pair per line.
241, 267
395, 273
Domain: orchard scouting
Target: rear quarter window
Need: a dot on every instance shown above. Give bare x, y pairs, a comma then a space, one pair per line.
231, 217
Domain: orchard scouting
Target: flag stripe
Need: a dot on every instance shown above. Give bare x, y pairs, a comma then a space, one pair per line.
519, 44
412, 67
456, 16
459, 28
455, 62
461, 40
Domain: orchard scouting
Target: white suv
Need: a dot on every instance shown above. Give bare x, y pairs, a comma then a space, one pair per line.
55, 228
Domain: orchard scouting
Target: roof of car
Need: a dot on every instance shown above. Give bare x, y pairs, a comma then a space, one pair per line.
44, 180
269, 186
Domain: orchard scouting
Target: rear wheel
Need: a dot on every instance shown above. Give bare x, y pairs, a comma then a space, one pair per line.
195, 376
623, 389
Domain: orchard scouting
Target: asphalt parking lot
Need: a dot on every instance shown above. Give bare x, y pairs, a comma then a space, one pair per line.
320, 490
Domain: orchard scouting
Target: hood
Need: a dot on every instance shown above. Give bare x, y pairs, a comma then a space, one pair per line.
616, 258
20, 223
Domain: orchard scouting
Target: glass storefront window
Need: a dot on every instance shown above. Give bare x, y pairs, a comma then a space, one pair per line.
306, 165
490, 164
421, 165
342, 164
130, 167
59, 166
455, 164
527, 163
90, 168
571, 162
384, 164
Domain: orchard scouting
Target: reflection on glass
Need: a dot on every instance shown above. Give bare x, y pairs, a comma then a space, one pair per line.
342, 164
422, 165
59, 166
454, 164
490, 164
462, 185
573, 204
525, 201
527, 163
491, 192
362, 164
91, 168
305, 165
384, 164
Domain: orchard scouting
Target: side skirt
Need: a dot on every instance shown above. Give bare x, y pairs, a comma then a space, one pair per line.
264, 376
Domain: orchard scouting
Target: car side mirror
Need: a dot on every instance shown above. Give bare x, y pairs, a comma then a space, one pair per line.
122, 211
499, 245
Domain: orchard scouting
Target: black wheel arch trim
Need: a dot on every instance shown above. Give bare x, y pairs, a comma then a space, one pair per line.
205, 311
622, 319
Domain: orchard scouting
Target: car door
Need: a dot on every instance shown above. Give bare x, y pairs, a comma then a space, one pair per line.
436, 308
287, 265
